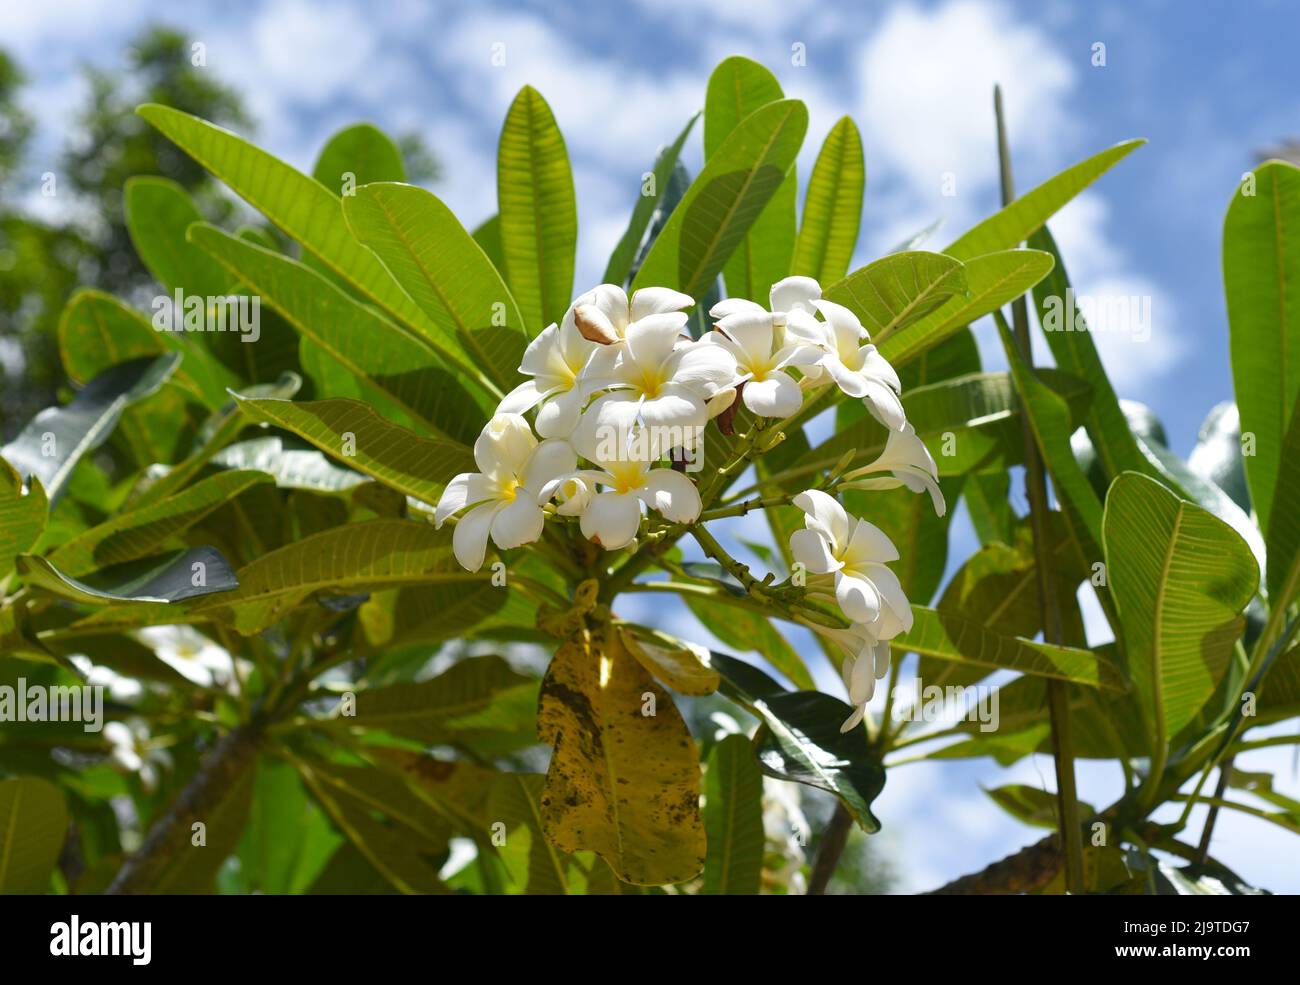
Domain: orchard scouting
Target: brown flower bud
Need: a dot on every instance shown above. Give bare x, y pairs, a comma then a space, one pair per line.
591, 326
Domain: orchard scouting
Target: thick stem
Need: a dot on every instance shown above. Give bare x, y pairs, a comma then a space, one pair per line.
830, 850
1036, 491
170, 834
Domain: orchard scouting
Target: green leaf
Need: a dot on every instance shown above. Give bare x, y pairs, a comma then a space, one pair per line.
358, 155
1031, 805
733, 819
475, 695
488, 237
347, 560
751, 632
438, 263
832, 207
158, 211
1180, 578
300, 206
948, 636
1261, 279
622, 783
134, 534
800, 739
97, 332
725, 200
359, 438
173, 578
1283, 531
898, 290
54, 441
620, 261
991, 281
1015, 222
516, 801
288, 840
357, 336
33, 824
23, 515
538, 210
980, 411
738, 87
1052, 424
1073, 350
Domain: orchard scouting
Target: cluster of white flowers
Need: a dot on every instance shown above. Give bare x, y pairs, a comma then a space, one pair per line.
618, 390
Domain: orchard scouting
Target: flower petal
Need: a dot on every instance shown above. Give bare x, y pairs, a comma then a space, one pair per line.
469, 539
549, 460
883, 403
658, 301
826, 512
672, 494
752, 332
504, 445
519, 523
857, 597
795, 294
540, 352
559, 415
867, 544
611, 520
811, 549
732, 305
524, 397
464, 490
853, 384
612, 302
705, 368
777, 396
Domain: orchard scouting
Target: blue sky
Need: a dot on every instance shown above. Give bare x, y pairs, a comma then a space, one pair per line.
1207, 84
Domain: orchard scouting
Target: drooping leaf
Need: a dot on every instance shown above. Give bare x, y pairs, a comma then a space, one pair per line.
733, 819
448, 275
291, 467
172, 578
1018, 220
1261, 279
54, 441
679, 664
359, 438
738, 87
33, 824
538, 210
725, 200
832, 207
622, 783
749, 631
1031, 804
800, 739
136, 533
1180, 578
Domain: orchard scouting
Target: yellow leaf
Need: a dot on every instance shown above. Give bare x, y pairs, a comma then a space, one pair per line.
623, 782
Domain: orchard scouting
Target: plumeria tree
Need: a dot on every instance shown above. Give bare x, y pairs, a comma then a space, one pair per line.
357, 528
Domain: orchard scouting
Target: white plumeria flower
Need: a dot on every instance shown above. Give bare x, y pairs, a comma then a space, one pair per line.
554, 360
506, 495
909, 463
853, 363
855, 552
625, 468
658, 378
124, 689
192, 655
605, 313
763, 350
791, 299
131, 751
